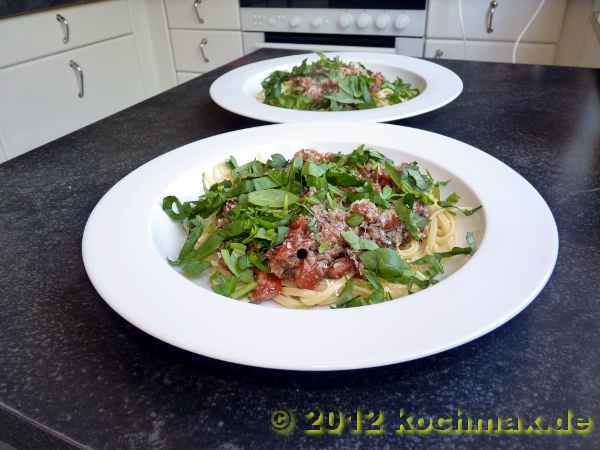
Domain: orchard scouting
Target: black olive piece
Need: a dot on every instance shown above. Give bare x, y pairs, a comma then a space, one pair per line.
302, 253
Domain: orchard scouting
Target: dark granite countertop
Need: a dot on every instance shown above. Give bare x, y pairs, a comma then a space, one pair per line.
71, 365
10, 8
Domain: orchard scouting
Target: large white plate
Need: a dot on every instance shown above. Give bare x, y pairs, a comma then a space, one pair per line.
128, 237
236, 90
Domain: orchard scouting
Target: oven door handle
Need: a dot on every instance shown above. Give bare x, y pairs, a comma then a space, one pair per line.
326, 48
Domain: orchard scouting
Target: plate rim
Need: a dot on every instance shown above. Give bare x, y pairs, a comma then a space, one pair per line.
90, 251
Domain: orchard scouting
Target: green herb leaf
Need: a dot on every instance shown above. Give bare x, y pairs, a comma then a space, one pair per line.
272, 198
208, 247
357, 243
451, 200
354, 220
223, 284
414, 222
194, 268
167, 206
386, 263
277, 161
230, 260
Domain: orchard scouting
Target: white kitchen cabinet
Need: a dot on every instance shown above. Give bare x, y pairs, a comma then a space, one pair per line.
489, 51
184, 77
509, 18
2, 153
41, 102
204, 14
201, 51
30, 36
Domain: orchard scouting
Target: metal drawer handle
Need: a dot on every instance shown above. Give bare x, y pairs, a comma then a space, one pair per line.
197, 8
65, 27
203, 43
79, 73
490, 18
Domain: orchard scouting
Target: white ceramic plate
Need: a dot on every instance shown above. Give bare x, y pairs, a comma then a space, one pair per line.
236, 90
128, 238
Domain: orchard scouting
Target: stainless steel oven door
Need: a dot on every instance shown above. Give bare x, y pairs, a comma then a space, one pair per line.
409, 46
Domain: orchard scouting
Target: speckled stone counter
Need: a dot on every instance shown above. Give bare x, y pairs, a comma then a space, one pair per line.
73, 367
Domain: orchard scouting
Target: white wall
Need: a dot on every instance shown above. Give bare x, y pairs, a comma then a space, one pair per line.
579, 44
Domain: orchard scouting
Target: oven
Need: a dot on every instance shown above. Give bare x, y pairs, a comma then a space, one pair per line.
388, 26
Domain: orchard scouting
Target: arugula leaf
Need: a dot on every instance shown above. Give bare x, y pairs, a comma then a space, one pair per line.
194, 268
253, 169
451, 200
258, 261
346, 294
357, 243
454, 251
167, 206
411, 180
277, 161
341, 176
208, 247
188, 245
223, 284
470, 212
343, 98
272, 198
281, 234
354, 220
387, 264
414, 222
230, 260
243, 290
263, 183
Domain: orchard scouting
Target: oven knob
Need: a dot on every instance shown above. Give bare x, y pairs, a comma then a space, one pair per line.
345, 20
382, 21
294, 22
364, 20
316, 22
402, 21
272, 21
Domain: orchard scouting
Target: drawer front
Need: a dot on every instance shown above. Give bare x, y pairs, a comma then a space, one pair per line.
490, 51
509, 19
221, 47
30, 36
209, 14
184, 77
40, 98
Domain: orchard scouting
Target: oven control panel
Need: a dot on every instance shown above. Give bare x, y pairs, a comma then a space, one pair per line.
335, 21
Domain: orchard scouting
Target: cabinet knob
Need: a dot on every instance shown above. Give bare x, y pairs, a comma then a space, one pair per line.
438, 53
203, 44
490, 18
197, 9
64, 23
79, 74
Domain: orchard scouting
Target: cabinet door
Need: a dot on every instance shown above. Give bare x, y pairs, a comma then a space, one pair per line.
219, 47
40, 99
184, 77
204, 14
30, 36
2, 153
490, 51
509, 19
